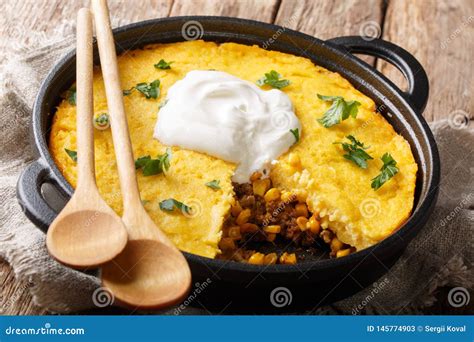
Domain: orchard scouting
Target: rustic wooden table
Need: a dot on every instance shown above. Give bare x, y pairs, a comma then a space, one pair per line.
439, 33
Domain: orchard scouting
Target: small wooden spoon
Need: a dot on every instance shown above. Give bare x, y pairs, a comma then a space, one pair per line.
87, 232
151, 272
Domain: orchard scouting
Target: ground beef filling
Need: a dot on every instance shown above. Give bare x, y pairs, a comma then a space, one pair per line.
263, 216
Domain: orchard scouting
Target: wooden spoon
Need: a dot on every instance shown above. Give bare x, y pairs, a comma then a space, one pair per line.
151, 272
87, 232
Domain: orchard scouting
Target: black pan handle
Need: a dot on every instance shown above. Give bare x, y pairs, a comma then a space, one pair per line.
29, 195
418, 84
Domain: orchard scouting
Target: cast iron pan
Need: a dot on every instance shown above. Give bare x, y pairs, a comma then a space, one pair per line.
246, 288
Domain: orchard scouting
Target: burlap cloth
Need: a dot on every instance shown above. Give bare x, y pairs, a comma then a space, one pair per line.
441, 255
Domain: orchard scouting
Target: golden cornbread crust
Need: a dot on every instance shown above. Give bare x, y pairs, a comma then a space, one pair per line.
336, 188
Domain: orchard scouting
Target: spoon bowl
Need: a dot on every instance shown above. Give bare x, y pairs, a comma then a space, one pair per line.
87, 237
131, 276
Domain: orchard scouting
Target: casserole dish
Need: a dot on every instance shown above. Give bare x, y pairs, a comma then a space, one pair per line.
317, 280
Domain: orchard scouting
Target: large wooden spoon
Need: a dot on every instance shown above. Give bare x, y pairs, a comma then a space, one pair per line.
87, 232
151, 272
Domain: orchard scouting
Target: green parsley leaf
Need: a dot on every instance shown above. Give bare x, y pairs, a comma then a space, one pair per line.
152, 167
356, 152
150, 90
272, 79
162, 64
170, 203
388, 170
340, 110
71, 96
296, 134
214, 184
142, 161
156, 166
72, 154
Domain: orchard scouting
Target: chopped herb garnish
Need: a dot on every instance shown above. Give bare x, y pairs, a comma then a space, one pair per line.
296, 134
356, 152
72, 154
339, 111
156, 166
152, 167
388, 170
274, 80
70, 95
141, 162
214, 184
162, 64
102, 121
170, 203
145, 202
150, 90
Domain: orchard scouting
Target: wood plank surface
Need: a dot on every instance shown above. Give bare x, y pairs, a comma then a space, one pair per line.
439, 33
328, 19
248, 9
15, 298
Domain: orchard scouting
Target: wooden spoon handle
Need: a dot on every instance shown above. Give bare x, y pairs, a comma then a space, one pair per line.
85, 134
118, 119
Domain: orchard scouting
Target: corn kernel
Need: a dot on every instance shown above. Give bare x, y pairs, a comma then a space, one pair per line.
227, 244
301, 196
256, 259
243, 217
274, 229
288, 259
326, 235
301, 210
270, 259
234, 232
295, 161
236, 209
336, 244
301, 222
314, 225
272, 195
271, 237
248, 228
261, 186
256, 175
287, 197
324, 221
343, 253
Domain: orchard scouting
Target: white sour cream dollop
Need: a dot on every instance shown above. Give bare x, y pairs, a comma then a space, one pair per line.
229, 118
